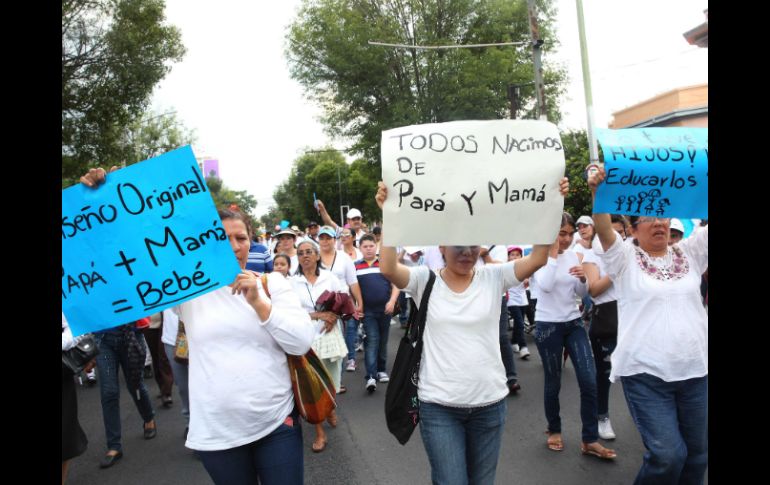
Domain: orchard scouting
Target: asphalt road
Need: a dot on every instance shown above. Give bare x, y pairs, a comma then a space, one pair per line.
362, 451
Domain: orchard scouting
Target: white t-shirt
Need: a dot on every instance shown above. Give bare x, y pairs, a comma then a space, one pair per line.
343, 268
308, 294
170, 327
662, 325
557, 289
609, 294
517, 296
240, 390
461, 364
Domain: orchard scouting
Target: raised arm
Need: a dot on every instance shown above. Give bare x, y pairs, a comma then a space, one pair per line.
602, 222
326, 217
395, 272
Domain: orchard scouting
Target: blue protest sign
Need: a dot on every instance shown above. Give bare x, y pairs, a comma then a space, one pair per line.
147, 239
658, 172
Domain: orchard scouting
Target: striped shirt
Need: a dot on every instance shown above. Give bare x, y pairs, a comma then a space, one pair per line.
259, 259
375, 289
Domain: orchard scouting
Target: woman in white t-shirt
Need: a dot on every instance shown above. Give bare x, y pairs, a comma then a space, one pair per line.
243, 422
287, 244
309, 283
662, 352
559, 327
341, 266
462, 382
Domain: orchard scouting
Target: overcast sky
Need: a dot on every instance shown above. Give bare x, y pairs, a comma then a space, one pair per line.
233, 86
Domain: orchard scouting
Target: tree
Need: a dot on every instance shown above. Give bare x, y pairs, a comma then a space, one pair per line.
366, 89
152, 135
576, 155
224, 197
114, 52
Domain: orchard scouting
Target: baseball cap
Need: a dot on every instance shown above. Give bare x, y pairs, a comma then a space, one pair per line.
676, 224
354, 213
585, 220
515, 248
329, 231
286, 231
413, 249
311, 224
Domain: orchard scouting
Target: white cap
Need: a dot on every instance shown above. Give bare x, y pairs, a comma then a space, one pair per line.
354, 213
585, 220
413, 249
677, 224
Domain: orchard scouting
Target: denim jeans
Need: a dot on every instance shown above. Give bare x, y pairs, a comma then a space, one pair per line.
506, 351
403, 302
603, 348
181, 372
515, 312
552, 338
463, 444
351, 333
377, 328
672, 418
276, 459
113, 353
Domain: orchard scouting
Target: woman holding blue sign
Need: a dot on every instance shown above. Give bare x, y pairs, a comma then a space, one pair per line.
243, 423
662, 345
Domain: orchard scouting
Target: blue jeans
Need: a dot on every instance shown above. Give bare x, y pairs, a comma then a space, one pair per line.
603, 348
113, 353
463, 444
180, 372
377, 328
351, 333
552, 338
518, 325
506, 351
403, 302
276, 459
672, 418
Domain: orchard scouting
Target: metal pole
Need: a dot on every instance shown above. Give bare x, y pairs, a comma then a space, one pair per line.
592, 149
339, 190
534, 31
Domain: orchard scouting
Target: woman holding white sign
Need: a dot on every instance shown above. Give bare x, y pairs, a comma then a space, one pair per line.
461, 382
662, 345
243, 422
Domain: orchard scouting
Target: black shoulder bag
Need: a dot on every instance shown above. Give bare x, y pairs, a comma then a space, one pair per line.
402, 408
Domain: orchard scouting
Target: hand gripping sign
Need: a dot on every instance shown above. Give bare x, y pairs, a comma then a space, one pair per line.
148, 239
472, 182
656, 172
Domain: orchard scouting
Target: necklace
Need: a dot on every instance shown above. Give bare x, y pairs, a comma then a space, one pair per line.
672, 266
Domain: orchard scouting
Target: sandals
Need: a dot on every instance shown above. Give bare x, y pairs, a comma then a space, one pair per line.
598, 451
554, 441
318, 445
342, 390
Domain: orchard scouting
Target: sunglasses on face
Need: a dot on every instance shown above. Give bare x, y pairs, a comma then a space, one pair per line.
663, 220
308, 252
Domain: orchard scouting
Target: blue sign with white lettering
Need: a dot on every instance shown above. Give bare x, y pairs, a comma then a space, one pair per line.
147, 239
656, 172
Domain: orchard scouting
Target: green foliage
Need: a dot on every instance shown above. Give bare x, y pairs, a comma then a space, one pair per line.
576, 154
366, 89
224, 197
114, 52
325, 173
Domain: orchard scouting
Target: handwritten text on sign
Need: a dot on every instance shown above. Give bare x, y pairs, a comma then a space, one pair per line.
472, 182
658, 172
149, 238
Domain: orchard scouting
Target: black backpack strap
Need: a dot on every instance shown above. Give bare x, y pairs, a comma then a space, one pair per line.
418, 325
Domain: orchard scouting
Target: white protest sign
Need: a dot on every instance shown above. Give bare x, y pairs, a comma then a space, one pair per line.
472, 183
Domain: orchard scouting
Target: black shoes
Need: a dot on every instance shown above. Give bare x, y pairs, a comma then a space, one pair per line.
150, 433
514, 388
167, 401
109, 460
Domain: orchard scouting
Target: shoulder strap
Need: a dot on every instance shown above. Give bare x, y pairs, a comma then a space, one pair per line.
417, 329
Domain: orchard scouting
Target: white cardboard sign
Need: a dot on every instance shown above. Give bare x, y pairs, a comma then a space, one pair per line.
472, 183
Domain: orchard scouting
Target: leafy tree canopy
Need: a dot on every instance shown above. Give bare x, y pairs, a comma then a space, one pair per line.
114, 52
365, 89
